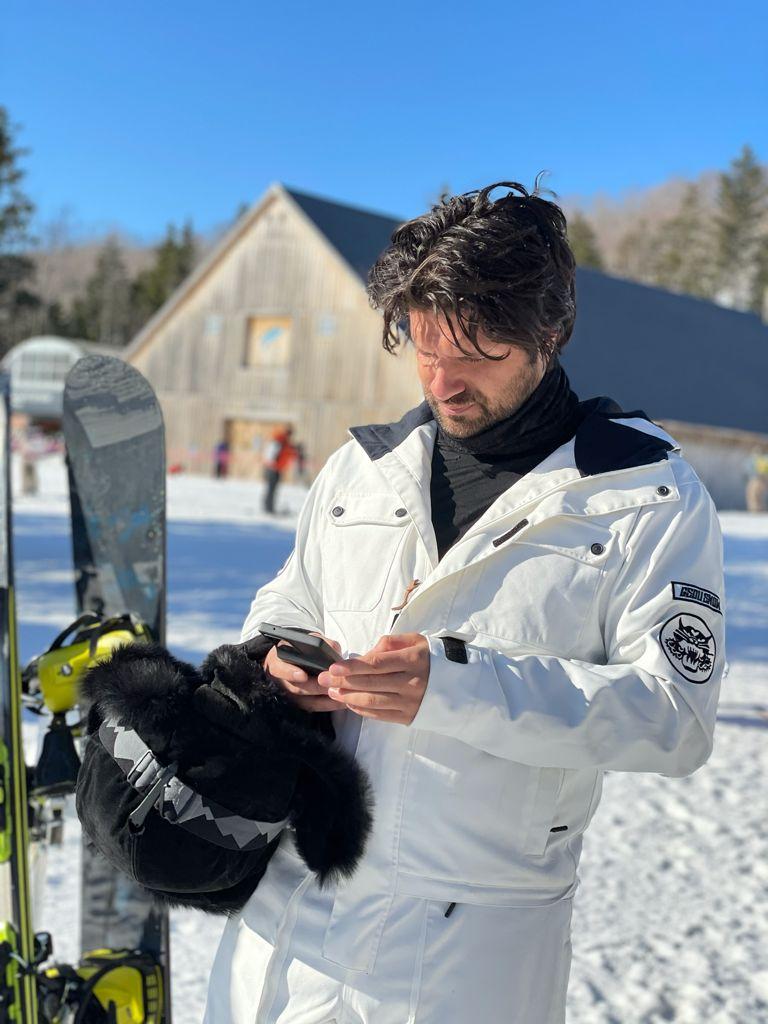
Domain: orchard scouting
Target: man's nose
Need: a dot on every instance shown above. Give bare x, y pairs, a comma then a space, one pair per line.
446, 384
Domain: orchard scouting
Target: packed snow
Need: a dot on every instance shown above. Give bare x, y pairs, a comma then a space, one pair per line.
671, 920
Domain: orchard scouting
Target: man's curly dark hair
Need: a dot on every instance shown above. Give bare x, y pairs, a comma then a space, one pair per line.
502, 265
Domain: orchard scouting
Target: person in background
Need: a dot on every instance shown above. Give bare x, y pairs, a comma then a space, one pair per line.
757, 484
221, 459
301, 464
279, 453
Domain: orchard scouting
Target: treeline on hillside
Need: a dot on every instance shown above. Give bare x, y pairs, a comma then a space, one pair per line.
114, 305
110, 306
713, 245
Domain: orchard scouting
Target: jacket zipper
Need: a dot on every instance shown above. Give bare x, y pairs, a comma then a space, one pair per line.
397, 608
510, 533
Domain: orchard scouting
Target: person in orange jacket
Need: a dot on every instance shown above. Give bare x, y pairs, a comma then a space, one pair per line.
279, 454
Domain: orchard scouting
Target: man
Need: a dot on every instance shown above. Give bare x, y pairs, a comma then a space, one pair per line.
526, 589
757, 483
221, 459
278, 456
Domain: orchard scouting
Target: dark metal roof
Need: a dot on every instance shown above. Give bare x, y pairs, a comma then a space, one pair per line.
673, 356
358, 235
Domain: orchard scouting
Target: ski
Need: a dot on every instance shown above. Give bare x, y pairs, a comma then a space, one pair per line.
18, 992
115, 446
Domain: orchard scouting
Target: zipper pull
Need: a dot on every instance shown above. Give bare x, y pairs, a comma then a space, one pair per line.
510, 533
138, 815
408, 591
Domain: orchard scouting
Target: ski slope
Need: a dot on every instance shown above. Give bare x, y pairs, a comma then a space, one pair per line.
671, 920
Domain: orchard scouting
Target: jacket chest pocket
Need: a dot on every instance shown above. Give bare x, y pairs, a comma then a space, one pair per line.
363, 536
541, 588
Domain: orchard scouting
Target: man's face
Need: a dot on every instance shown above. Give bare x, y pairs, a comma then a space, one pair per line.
468, 393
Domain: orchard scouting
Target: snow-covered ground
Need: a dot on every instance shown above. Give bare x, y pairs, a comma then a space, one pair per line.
671, 920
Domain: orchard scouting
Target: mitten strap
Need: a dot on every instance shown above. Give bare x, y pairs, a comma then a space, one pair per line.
177, 802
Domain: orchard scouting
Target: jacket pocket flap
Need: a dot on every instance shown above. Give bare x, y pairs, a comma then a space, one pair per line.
350, 509
582, 539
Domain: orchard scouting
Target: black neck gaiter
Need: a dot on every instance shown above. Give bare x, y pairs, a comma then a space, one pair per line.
469, 473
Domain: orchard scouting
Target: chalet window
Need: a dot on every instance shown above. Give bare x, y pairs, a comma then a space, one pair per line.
326, 325
267, 340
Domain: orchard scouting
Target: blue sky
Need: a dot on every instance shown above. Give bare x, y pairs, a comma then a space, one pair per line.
137, 114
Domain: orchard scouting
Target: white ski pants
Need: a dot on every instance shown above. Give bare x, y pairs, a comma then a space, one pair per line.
479, 965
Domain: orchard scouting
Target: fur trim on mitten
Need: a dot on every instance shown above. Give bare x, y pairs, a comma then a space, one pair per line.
237, 740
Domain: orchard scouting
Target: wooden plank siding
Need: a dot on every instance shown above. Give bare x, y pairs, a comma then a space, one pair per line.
337, 374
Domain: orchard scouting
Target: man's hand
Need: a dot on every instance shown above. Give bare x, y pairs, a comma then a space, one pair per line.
302, 687
387, 683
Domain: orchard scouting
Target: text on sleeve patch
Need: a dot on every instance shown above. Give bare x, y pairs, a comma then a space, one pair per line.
698, 595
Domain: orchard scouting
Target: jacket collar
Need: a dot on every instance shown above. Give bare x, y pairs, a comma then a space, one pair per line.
606, 440
379, 438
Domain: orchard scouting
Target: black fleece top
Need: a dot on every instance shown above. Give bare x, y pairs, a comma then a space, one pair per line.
469, 473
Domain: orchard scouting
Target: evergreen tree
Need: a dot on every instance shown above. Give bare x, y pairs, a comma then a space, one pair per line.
741, 200
759, 298
104, 312
17, 299
684, 257
58, 322
636, 253
174, 260
583, 242
187, 252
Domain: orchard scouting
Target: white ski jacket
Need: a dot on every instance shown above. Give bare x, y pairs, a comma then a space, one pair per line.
585, 607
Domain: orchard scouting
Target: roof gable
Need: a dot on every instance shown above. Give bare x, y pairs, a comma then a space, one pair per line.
359, 236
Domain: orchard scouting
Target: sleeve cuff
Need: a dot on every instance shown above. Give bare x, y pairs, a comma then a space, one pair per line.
455, 671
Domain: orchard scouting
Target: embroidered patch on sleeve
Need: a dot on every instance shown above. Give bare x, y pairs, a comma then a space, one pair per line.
698, 595
689, 646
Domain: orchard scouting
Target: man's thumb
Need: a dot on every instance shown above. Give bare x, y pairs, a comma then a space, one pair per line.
395, 642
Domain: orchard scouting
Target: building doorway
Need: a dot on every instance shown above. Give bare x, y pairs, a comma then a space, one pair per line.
246, 440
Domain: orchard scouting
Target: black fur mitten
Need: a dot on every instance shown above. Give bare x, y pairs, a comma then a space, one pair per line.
243, 760
330, 809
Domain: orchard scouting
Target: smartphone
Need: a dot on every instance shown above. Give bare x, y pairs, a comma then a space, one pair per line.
311, 653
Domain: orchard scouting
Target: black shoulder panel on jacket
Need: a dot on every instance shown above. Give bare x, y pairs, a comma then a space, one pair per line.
379, 438
600, 444
603, 446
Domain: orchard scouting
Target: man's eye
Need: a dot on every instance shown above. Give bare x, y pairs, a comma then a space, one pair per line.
429, 359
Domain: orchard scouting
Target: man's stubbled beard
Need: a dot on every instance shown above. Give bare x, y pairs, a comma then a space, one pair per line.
484, 414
